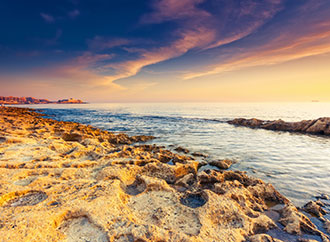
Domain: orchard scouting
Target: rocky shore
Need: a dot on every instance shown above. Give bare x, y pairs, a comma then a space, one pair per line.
319, 126
64, 181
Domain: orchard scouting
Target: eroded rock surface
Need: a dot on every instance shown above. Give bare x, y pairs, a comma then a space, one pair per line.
63, 181
319, 126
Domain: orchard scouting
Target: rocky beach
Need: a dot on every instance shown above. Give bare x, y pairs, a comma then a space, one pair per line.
65, 181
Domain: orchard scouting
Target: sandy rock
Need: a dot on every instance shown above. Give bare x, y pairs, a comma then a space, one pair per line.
186, 181
222, 164
102, 188
75, 137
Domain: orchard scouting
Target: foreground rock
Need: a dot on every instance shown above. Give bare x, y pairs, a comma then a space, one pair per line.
63, 181
319, 126
222, 164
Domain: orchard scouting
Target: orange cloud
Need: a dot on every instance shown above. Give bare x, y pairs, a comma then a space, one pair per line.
188, 40
281, 49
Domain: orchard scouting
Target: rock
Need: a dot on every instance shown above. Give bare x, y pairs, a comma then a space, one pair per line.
306, 240
247, 122
142, 138
318, 126
198, 154
327, 225
222, 164
2, 139
295, 222
263, 238
182, 150
323, 197
74, 137
102, 188
186, 181
314, 208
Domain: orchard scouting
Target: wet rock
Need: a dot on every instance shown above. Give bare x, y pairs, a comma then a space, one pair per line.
314, 208
254, 123
141, 138
319, 126
222, 164
327, 225
198, 154
182, 150
323, 197
263, 238
295, 222
193, 200
306, 240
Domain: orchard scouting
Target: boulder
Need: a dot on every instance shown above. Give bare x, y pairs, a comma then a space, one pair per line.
222, 164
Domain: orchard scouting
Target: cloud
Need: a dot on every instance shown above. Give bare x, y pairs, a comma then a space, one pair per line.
47, 17
165, 10
197, 29
188, 40
282, 48
77, 72
74, 13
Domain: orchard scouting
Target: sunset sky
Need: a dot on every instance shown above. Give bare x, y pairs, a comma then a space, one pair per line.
166, 50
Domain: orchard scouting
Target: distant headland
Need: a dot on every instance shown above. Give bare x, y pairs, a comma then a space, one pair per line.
32, 100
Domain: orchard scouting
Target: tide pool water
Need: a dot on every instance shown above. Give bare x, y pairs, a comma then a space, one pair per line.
298, 165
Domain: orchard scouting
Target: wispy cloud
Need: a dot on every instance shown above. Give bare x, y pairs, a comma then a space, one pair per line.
282, 48
47, 17
77, 71
196, 29
188, 40
165, 10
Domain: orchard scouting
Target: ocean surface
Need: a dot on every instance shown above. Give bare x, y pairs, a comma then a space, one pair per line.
298, 165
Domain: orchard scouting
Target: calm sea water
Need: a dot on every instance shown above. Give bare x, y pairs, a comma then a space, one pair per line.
297, 165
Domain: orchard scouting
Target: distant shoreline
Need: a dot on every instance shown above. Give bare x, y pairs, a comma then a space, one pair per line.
10, 100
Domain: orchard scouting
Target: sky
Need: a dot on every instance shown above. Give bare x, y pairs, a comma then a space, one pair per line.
166, 50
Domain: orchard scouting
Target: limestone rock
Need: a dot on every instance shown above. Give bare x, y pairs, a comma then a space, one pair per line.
314, 208
222, 164
103, 188
263, 238
75, 137
182, 150
319, 126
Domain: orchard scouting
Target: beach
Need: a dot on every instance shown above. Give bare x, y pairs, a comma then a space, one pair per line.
65, 181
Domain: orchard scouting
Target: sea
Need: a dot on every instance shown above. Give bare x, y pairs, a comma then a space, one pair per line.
298, 165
